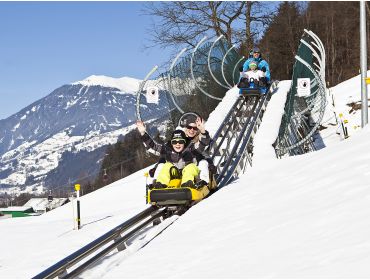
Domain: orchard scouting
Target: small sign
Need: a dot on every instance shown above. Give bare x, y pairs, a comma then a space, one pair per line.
152, 95
303, 87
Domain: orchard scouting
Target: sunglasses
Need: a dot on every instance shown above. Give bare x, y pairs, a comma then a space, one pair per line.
192, 127
174, 142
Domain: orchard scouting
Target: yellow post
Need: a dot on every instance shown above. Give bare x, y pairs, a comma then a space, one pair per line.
146, 175
77, 188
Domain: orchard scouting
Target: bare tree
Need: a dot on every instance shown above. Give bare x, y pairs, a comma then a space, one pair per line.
185, 23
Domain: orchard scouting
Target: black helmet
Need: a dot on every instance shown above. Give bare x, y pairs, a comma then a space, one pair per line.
178, 134
256, 50
188, 118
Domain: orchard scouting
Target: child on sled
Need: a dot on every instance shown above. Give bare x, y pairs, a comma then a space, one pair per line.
180, 156
252, 75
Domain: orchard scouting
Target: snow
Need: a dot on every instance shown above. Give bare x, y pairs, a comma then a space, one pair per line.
40, 204
297, 217
269, 129
16, 208
16, 127
124, 84
348, 92
219, 114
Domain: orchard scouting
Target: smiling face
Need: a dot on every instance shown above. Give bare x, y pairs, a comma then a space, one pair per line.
253, 66
256, 55
191, 130
178, 145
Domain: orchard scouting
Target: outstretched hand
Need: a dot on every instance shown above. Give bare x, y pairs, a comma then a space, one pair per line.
141, 127
200, 125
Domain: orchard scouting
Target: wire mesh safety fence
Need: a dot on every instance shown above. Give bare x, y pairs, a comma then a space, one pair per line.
196, 81
306, 100
156, 114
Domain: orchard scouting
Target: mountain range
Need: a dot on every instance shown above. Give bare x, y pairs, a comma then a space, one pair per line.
64, 135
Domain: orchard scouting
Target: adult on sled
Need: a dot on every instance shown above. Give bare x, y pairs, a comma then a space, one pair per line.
179, 154
197, 134
255, 55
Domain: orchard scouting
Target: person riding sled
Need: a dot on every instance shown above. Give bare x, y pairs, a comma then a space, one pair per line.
179, 155
255, 55
253, 74
194, 128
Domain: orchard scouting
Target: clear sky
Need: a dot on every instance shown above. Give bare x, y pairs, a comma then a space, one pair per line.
44, 45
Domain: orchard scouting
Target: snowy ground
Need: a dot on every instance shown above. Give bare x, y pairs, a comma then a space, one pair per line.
305, 216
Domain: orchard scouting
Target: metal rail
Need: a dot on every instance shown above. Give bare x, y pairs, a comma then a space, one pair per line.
60, 268
231, 145
237, 129
231, 169
236, 147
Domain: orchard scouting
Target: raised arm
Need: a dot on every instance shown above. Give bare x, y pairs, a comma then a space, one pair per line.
204, 138
151, 146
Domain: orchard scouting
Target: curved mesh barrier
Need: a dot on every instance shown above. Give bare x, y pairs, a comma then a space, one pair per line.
200, 78
154, 106
305, 105
196, 81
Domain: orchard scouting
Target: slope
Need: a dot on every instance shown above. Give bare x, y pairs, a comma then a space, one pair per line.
305, 216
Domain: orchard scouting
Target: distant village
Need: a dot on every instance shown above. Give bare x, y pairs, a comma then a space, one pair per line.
33, 207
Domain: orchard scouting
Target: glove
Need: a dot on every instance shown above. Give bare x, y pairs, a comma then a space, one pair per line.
263, 69
152, 171
243, 83
141, 127
263, 81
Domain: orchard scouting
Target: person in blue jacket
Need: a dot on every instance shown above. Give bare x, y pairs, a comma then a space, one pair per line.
262, 64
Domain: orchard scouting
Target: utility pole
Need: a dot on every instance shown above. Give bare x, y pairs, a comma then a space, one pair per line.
363, 59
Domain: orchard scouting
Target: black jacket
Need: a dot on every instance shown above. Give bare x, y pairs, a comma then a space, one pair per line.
180, 160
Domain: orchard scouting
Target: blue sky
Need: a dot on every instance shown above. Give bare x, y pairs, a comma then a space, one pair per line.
45, 45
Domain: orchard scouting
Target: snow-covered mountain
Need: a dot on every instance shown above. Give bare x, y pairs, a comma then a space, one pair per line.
83, 116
